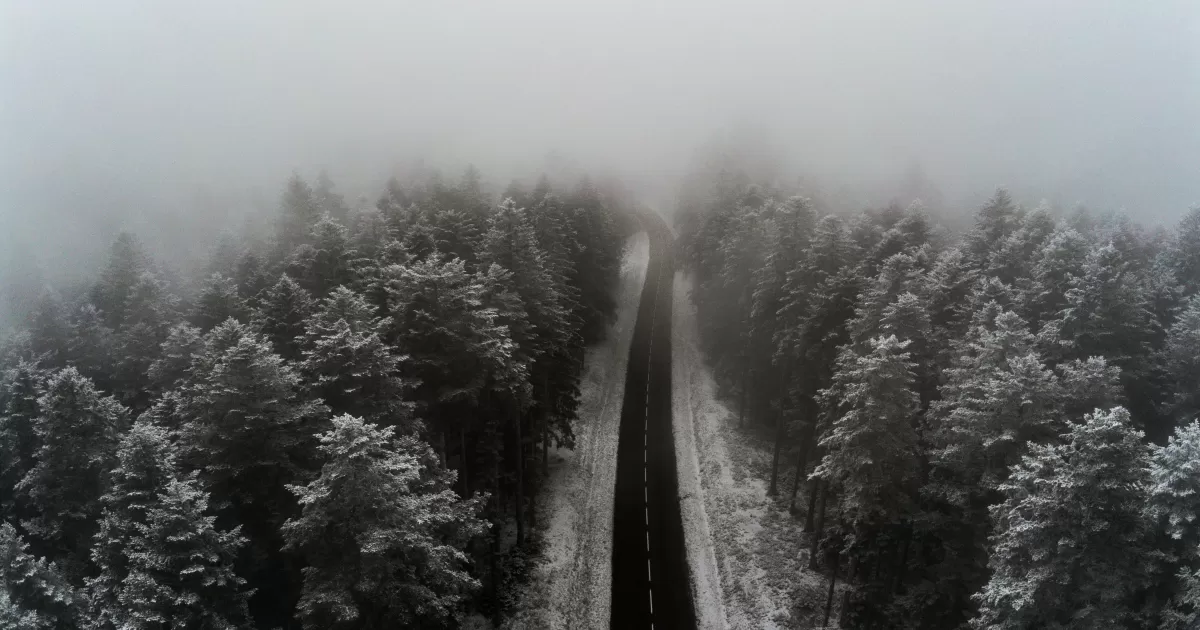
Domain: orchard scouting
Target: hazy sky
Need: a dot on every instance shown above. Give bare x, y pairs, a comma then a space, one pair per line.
123, 105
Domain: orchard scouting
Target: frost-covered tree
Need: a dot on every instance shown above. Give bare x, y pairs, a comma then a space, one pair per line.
282, 312
150, 312
327, 199
175, 356
1060, 259
20, 388
349, 365
181, 566
382, 534
33, 594
242, 421
218, 301
1182, 362
78, 429
126, 262
1071, 547
161, 561
298, 212
91, 348
871, 452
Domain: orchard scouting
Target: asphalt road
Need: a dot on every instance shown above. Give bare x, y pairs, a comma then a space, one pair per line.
650, 582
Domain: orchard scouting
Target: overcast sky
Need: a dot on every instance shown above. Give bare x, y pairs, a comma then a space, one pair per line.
121, 104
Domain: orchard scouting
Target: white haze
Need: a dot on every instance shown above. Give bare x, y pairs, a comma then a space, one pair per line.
114, 112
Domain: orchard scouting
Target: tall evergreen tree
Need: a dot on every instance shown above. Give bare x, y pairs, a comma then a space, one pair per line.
283, 310
33, 594
20, 388
78, 431
383, 534
1071, 545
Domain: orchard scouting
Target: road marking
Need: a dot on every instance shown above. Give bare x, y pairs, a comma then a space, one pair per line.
648, 578
651, 604
647, 518
647, 542
646, 493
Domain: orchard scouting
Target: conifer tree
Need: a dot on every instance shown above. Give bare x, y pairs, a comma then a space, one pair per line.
283, 310
1071, 543
298, 212
871, 446
20, 388
383, 534
218, 301
1182, 363
348, 363
126, 263
181, 566
33, 594
78, 431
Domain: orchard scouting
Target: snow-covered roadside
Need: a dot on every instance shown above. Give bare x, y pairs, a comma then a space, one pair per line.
747, 554
571, 586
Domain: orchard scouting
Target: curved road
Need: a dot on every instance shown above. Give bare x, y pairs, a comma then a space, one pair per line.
651, 587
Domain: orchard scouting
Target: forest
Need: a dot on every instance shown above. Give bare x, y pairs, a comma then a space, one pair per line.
994, 429
340, 424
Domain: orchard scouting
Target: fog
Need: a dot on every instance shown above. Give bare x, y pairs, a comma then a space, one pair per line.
113, 112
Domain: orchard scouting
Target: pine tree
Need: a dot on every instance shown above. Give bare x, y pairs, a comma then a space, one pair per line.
91, 347
348, 363
1061, 259
1182, 363
995, 221
284, 309
383, 534
150, 313
78, 430
20, 389
1071, 543
327, 200
298, 212
49, 330
331, 260
218, 301
871, 447
181, 566
242, 421
175, 356
126, 263
1184, 256
1173, 506
33, 594
145, 463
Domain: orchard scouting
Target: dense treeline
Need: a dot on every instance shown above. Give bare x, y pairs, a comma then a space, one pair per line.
995, 431
337, 427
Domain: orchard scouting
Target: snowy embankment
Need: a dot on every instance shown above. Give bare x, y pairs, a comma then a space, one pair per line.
571, 586
747, 554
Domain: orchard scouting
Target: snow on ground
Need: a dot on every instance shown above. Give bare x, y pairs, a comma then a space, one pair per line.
572, 584
747, 553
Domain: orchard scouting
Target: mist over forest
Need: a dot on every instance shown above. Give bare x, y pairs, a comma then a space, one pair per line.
167, 118
537, 314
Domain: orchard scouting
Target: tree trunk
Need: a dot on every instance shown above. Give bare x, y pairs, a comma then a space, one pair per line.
442, 450
900, 568
780, 431
520, 483
832, 585
462, 440
812, 504
745, 388
545, 426
801, 464
816, 535
845, 606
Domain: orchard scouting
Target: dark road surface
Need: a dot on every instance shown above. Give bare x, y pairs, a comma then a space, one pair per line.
650, 583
